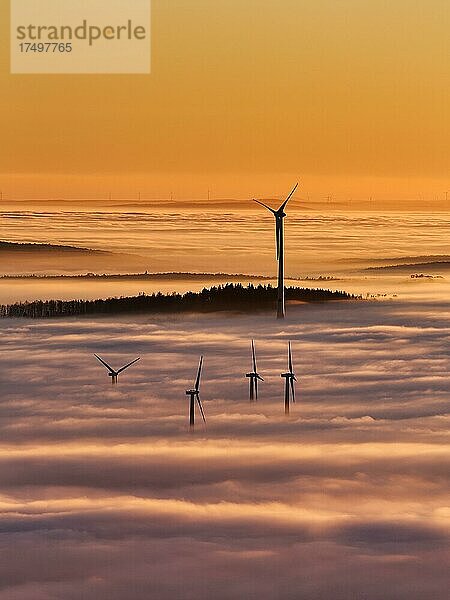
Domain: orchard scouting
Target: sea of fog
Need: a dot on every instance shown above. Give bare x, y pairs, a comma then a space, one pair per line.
107, 496
340, 245
105, 493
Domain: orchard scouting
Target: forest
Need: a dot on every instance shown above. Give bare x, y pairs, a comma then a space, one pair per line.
229, 297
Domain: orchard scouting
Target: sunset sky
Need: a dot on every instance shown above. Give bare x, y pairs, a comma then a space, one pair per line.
122, 186
244, 98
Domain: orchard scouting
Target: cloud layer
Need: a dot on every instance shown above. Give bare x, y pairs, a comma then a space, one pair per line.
107, 495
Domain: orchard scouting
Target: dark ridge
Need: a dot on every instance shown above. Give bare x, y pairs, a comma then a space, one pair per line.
412, 266
36, 247
169, 275
173, 275
398, 260
234, 297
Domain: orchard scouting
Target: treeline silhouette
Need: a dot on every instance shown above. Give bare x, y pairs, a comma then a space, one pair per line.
145, 276
224, 297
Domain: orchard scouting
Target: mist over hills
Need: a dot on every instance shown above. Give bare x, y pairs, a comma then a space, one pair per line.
24, 258
398, 260
55, 248
425, 266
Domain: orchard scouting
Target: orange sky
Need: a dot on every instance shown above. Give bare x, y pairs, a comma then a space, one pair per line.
245, 97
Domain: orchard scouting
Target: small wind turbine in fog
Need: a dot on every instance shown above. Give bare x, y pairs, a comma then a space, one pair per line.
289, 388
112, 372
279, 231
195, 395
254, 376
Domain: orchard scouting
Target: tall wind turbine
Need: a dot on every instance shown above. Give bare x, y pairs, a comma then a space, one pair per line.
114, 374
289, 388
195, 395
254, 376
279, 232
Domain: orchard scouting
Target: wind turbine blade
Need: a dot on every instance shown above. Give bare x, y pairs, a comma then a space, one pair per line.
201, 408
259, 377
104, 363
283, 206
254, 356
199, 373
290, 359
128, 365
293, 390
274, 212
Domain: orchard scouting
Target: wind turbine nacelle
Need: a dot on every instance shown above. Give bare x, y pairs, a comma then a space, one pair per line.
192, 392
251, 375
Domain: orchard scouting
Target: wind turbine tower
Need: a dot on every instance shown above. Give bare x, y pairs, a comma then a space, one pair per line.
195, 395
289, 387
254, 376
279, 232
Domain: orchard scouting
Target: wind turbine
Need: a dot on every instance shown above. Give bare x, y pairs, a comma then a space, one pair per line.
195, 395
254, 376
289, 388
112, 372
279, 232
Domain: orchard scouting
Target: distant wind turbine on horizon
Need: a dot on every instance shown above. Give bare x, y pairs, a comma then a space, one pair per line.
195, 395
279, 232
290, 378
113, 373
254, 376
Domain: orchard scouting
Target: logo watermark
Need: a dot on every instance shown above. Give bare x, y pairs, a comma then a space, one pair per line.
77, 36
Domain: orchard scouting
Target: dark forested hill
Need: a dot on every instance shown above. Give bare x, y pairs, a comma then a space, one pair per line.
45, 248
233, 297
